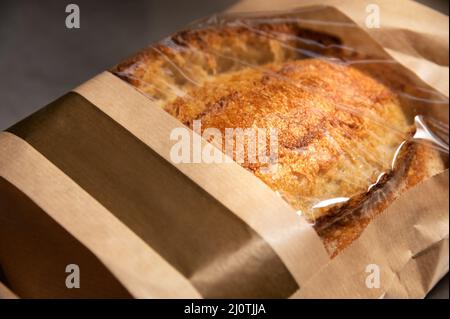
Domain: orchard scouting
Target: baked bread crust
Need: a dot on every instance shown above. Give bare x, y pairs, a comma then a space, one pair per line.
339, 128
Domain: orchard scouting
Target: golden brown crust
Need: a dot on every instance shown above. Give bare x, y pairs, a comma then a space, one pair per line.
339, 127
328, 147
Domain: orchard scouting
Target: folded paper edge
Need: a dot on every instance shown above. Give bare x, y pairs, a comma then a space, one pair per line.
344, 281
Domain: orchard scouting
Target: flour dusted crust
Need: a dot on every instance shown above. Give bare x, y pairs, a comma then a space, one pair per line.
339, 128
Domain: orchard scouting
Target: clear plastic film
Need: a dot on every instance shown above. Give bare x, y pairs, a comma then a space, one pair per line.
354, 128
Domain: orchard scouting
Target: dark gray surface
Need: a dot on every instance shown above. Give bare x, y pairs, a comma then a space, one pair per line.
40, 59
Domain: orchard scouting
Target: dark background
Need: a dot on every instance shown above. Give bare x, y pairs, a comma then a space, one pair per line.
40, 59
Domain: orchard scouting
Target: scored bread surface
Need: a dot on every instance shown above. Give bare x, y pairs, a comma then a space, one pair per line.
339, 128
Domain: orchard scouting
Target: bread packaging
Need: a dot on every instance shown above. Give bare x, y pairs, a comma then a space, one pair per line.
278, 150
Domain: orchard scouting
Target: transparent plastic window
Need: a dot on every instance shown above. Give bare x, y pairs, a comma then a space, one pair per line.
354, 127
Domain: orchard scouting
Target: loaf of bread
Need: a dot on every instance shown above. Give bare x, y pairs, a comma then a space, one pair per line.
345, 148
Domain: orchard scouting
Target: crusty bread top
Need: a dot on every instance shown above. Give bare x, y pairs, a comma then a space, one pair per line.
190, 58
339, 128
